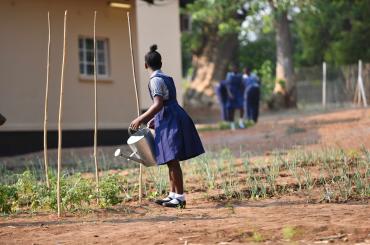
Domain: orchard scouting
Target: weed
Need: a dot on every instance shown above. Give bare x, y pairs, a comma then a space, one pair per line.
289, 232
257, 237
159, 178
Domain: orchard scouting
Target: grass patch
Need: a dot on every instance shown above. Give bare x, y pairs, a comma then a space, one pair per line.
289, 232
257, 237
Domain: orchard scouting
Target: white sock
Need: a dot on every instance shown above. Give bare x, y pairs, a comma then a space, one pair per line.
180, 197
241, 123
170, 196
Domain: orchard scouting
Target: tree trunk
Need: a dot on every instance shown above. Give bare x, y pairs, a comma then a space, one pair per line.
210, 66
285, 94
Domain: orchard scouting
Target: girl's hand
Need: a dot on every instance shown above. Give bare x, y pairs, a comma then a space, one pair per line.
135, 124
150, 124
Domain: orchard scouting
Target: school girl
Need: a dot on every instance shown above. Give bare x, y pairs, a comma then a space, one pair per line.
222, 96
235, 86
176, 138
251, 96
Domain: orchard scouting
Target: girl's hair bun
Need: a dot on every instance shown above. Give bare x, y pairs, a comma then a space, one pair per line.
153, 48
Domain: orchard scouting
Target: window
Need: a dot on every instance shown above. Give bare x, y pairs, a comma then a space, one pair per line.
86, 56
185, 23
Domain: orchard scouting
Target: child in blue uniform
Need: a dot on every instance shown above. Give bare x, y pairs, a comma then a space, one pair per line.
235, 86
251, 96
222, 95
176, 138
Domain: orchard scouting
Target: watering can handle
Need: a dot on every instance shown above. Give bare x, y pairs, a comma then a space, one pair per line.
131, 131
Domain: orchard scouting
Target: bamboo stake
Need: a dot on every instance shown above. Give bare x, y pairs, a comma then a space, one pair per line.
324, 84
137, 97
60, 114
95, 114
361, 84
46, 109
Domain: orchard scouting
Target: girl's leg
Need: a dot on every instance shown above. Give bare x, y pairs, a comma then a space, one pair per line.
231, 113
241, 112
172, 183
176, 179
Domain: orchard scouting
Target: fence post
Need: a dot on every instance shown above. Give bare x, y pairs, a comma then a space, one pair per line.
324, 84
361, 84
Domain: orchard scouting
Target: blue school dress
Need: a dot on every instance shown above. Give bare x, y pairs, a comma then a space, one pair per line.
235, 85
176, 137
221, 92
251, 97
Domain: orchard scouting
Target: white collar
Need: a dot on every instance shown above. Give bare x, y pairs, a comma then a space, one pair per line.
155, 73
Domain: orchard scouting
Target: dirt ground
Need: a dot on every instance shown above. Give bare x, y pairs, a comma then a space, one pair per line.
220, 222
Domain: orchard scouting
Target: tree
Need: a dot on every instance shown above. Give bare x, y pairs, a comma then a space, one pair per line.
213, 43
337, 32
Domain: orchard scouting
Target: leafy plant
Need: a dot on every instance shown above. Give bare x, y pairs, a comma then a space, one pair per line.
25, 187
109, 190
8, 196
77, 192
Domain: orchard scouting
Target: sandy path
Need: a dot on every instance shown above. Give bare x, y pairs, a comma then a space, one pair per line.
346, 128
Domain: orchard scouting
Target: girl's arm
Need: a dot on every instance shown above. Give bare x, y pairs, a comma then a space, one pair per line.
149, 114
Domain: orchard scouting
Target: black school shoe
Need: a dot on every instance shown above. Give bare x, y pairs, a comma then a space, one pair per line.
180, 204
164, 200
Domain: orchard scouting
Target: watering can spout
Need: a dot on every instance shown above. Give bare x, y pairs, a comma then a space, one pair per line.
118, 153
142, 146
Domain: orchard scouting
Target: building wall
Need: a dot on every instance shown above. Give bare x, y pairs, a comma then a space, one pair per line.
159, 24
23, 49
23, 54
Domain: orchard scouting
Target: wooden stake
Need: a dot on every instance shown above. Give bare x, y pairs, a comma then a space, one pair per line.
324, 84
60, 114
361, 84
137, 97
95, 114
46, 109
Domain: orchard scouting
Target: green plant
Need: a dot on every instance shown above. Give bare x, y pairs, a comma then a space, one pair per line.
208, 172
289, 232
159, 178
26, 186
257, 237
8, 197
109, 189
77, 192
272, 173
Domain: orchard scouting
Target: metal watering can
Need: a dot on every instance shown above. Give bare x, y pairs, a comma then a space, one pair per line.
142, 145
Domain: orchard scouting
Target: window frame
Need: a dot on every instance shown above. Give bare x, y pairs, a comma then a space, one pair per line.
85, 62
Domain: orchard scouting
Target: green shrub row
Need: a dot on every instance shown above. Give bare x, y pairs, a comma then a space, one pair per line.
76, 193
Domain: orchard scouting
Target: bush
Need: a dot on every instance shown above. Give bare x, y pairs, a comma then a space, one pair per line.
75, 191
8, 197
25, 188
109, 189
